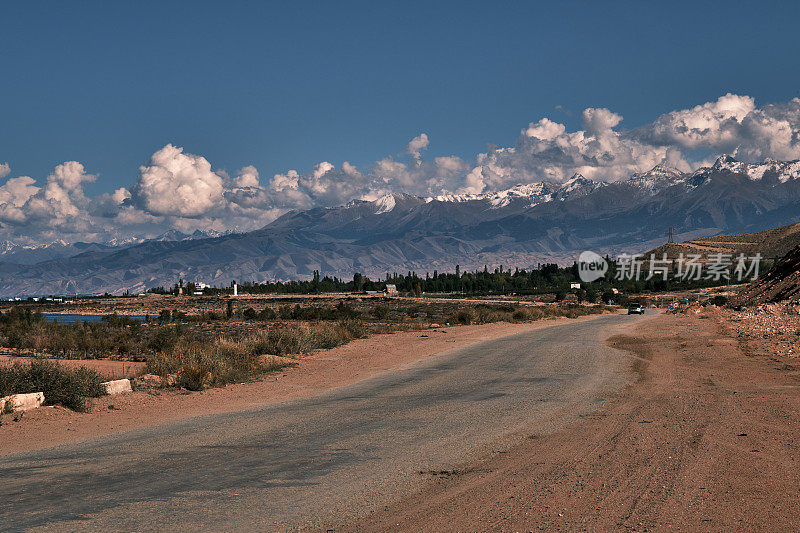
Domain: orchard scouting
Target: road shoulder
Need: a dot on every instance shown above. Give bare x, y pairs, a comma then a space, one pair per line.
706, 438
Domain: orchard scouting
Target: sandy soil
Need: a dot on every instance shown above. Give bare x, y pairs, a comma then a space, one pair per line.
706, 439
324, 370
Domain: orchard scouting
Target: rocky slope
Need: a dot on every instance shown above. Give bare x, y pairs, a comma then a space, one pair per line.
780, 284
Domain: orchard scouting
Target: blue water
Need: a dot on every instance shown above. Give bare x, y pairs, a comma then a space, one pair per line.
71, 319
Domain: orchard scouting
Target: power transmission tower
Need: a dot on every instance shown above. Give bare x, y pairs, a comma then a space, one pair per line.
671, 235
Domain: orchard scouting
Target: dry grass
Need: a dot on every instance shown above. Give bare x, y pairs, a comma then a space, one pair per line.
61, 385
198, 365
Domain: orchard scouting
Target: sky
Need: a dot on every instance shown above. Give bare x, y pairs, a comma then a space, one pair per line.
123, 120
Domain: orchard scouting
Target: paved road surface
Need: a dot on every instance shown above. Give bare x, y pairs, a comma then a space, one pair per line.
319, 460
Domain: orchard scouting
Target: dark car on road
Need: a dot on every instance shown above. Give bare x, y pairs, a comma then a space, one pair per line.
636, 309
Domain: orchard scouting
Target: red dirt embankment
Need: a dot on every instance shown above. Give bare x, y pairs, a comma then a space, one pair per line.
706, 439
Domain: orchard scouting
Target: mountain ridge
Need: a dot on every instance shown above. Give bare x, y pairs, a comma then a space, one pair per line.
520, 226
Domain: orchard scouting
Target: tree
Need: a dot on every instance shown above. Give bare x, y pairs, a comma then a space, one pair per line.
358, 282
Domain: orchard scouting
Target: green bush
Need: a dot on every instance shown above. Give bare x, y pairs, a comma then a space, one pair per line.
61, 385
381, 312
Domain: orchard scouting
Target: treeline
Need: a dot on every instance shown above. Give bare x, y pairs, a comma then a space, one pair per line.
547, 278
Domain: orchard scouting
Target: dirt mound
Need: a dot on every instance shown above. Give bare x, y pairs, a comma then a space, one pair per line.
780, 284
771, 244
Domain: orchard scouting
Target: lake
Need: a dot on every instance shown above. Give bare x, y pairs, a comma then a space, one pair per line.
71, 319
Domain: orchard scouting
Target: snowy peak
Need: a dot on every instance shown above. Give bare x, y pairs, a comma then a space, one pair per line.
529, 193
384, 204
782, 171
576, 186
535, 193
726, 162
389, 202
657, 178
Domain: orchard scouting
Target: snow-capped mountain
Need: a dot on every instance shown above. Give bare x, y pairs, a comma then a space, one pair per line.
520, 226
657, 178
531, 193
29, 254
767, 170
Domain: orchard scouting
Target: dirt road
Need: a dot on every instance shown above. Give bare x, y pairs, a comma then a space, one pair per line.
707, 439
315, 461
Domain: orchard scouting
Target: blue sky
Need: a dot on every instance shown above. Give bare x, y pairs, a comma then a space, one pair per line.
287, 85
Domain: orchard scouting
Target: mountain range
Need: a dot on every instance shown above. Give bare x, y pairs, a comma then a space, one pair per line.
521, 226
29, 254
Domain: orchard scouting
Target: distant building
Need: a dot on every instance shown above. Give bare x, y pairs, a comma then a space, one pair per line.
390, 289
574, 285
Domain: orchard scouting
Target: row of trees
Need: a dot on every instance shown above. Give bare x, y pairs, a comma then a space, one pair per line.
546, 278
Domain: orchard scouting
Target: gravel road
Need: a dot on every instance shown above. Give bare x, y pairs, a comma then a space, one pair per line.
335, 456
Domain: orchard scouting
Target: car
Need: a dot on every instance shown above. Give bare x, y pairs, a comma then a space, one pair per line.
636, 309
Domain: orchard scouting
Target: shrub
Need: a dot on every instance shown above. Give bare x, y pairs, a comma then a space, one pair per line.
465, 316
200, 364
286, 339
381, 312
719, 300
203, 364
61, 385
266, 314
521, 315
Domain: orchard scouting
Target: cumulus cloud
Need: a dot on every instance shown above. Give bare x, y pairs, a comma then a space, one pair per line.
546, 151
247, 177
178, 184
731, 124
5, 170
713, 124
13, 195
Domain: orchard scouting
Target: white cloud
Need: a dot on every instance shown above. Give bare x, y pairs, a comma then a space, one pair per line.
177, 184
247, 177
5, 170
545, 130
62, 203
547, 151
13, 195
417, 145
710, 125
732, 124
16, 191
120, 195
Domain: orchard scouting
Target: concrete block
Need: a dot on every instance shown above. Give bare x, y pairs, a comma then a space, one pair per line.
21, 402
118, 386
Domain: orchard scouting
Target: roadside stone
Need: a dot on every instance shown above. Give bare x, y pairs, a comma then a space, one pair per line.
118, 386
21, 402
